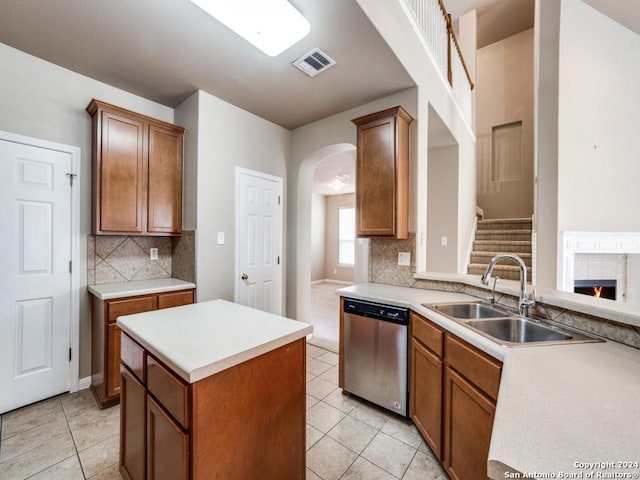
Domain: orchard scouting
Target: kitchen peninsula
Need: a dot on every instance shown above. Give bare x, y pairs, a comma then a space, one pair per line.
212, 390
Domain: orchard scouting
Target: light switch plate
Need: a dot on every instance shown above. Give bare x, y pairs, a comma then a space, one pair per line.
220, 238
404, 259
153, 254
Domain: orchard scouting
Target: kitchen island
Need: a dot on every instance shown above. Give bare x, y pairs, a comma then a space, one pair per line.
212, 390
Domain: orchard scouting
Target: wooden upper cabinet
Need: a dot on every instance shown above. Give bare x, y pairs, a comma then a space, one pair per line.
137, 173
165, 180
382, 174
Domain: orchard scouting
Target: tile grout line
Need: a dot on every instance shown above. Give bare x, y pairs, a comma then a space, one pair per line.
73, 439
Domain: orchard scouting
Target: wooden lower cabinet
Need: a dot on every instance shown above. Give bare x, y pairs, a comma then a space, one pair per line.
167, 445
426, 395
133, 399
113, 361
245, 422
454, 389
105, 337
425, 402
468, 423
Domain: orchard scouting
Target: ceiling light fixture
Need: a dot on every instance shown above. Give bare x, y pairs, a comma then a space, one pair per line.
270, 25
338, 184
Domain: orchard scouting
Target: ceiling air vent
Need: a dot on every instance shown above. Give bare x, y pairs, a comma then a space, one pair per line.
314, 62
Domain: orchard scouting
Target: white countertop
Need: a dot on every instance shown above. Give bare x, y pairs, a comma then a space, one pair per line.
557, 405
199, 340
563, 404
108, 291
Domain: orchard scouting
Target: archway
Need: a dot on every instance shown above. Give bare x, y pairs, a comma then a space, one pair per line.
303, 227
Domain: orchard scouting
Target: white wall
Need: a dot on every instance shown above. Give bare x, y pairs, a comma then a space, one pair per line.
186, 114
318, 236
392, 20
504, 94
598, 163
228, 137
546, 48
443, 208
310, 144
42, 100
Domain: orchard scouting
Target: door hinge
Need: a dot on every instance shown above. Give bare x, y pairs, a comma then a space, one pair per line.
278, 259
70, 266
278, 199
69, 354
71, 176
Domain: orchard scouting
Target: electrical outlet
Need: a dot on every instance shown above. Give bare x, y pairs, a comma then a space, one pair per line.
404, 259
153, 254
444, 241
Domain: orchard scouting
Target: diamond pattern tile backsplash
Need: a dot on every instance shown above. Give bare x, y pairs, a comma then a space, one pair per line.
124, 259
383, 261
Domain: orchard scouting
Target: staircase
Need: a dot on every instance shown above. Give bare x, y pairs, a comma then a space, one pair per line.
494, 236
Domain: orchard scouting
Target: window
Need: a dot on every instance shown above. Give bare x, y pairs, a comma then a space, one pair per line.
346, 235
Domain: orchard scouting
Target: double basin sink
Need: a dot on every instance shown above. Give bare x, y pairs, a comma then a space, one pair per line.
507, 328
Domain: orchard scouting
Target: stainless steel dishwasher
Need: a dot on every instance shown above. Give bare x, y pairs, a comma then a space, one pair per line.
375, 353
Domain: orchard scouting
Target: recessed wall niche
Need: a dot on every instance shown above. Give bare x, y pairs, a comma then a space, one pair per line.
506, 152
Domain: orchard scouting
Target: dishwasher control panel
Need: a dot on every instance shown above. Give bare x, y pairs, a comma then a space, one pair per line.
376, 310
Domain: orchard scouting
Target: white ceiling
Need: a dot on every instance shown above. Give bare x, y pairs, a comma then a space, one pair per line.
166, 49
343, 163
625, 12
497, 19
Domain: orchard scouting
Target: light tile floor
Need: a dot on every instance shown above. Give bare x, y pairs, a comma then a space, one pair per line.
68, 437
325, 315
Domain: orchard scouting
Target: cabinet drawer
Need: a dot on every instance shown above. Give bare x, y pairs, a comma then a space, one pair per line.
129, 306
427, 333
133, 356
175, 299
169, 390
480, 369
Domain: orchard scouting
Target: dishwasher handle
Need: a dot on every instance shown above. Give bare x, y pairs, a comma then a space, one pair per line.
378, 311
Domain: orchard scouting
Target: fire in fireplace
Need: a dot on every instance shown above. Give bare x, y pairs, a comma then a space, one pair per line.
596, 288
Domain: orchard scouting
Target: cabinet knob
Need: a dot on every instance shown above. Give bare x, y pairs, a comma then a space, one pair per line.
244, 276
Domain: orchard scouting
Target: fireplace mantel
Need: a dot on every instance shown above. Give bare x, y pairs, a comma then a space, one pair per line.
591, 242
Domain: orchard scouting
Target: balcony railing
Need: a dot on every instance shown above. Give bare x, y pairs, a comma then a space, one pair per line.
434, 23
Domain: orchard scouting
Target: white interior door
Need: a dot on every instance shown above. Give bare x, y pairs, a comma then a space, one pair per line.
35, 279
259, 240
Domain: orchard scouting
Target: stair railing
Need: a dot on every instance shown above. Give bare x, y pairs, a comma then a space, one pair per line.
434, 22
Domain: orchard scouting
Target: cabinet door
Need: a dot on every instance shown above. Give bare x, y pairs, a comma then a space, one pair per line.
113, 360
133, 399
468, 423
121, 183
175, 299
167, 446
375, 179
426, 395
165, 180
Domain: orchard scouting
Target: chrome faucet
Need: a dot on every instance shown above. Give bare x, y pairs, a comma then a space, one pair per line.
524, 303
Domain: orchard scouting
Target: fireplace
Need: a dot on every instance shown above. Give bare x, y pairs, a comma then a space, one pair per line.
596, 288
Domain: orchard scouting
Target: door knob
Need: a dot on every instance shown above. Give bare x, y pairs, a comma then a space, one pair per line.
244, 276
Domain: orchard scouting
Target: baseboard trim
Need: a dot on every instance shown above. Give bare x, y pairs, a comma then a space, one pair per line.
330, 280
84, 383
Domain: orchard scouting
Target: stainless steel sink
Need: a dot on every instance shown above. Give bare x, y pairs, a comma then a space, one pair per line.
520, 330
468, 310
509, 329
